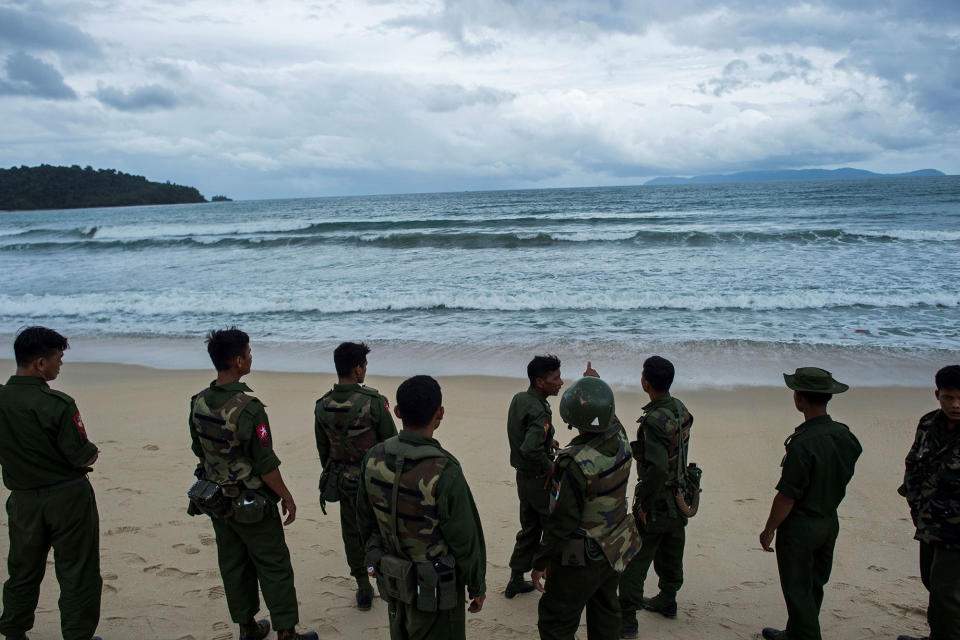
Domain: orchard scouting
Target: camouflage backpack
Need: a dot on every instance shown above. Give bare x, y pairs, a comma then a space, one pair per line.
223, 458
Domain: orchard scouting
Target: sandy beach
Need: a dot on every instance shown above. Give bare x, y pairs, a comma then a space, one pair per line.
160, 568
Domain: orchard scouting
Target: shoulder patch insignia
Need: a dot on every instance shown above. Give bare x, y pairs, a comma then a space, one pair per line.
264, 435
386, 405
77, 420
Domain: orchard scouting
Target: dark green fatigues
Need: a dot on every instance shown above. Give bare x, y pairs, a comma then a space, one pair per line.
384, 428
249, 553
530, 432
460, 528
571, 589
664, 535
931, 485
51, 504
819, 463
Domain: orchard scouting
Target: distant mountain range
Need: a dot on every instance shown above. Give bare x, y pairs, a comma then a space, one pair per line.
793, 175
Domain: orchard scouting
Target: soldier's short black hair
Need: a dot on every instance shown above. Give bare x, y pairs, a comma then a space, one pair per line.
540, 366
658, 372
37, 342
948, 377
349, 355
224, 345
418, 399
818, 399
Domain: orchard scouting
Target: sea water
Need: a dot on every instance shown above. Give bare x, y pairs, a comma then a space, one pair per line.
734, 282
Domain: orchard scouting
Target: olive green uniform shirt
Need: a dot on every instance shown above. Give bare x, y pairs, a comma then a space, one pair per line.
459, 519
43, 440
253, 428
530, 432
379, 414
819, 463
568, 511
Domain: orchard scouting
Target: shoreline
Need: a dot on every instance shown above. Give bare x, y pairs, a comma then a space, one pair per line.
160, 569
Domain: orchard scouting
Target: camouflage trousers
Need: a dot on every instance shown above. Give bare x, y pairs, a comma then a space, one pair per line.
665, 551
67, 520
570, 590
534, 509
409, 623
805, 558
249, 553
940, 573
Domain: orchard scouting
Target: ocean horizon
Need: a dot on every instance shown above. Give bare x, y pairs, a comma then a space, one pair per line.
734, 282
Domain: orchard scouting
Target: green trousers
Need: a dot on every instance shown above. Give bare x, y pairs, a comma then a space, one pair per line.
940, 573
665, 551
67, 520
534, 509
252, 553
571, 589
409, 623
350, 532
805, 558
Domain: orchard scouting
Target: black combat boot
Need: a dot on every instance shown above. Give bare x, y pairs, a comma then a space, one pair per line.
255, 629
291, 634
517, 585
663, 604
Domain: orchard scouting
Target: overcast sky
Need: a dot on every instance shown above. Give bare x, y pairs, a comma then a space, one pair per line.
276, 98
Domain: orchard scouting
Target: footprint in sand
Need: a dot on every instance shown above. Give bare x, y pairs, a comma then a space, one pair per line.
325, 550
150, 447
109, 576
189, 549
116, 530
206, 540
876, 568
215, 593
125, 490
132, 558
743, 500
339, 581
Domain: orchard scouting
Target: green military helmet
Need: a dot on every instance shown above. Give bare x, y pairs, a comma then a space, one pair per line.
588, 405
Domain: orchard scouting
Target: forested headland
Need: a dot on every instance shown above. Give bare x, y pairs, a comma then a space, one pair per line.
50, 187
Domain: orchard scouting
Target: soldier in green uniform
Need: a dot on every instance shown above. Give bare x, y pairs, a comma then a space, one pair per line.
661, 454
349, 419
931, 485
590, 536
532, 450
45, 458
818, 464
231, 436
420, 525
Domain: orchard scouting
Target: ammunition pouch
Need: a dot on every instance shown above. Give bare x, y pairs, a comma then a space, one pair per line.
436, 585
687, 497
209, 498
397, 579
250, 506
574, 553
330, 484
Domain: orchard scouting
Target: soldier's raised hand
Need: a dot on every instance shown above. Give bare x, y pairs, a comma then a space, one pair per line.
590, 372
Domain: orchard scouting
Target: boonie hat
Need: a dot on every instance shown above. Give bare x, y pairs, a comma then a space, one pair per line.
813, 380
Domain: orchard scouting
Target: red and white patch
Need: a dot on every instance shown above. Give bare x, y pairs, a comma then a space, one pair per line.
386, 405
264, 434
77, 420
546, 427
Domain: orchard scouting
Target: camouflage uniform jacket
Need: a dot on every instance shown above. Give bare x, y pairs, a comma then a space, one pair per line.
44, 439
530, 432
931, 482
570, 503
658, 454
457, 519
254, 448
368, 414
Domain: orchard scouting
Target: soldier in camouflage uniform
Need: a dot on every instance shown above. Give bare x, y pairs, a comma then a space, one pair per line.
46, 457
231, 436
590, 536
349, 419
661, 454
532, 450
931, 485
421, 527
819, 463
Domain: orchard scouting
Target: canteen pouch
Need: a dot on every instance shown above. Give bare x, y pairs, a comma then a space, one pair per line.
574, 553
426, 587
249, 507
208, 497
330, 482
397, 578
446, 583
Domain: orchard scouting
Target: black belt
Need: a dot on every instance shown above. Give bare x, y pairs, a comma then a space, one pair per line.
51, 487
531, 474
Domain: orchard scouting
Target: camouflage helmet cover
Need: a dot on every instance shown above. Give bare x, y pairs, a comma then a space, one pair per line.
588, 405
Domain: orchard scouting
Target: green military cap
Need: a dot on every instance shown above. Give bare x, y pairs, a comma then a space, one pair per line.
813, 380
